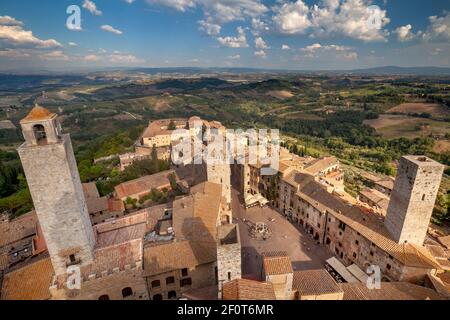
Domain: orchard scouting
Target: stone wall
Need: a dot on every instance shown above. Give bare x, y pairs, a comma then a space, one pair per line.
228, 255
201, 276
110, 284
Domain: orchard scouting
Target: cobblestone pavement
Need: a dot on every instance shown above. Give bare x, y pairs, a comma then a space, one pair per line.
300, 246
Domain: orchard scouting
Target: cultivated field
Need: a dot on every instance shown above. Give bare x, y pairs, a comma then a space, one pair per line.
280, 94
394, 126
441, 146
435, 110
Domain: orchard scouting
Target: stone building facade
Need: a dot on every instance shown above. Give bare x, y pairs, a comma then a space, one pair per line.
352, 234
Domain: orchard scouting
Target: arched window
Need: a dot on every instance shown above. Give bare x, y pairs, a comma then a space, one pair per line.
172, 295
156, 284
157, 297
126, 292
39, 134
103, 297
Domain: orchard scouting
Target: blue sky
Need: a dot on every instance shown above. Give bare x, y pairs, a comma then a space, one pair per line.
303, 35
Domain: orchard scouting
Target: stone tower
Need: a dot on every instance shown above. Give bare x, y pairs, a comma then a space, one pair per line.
412, 200
219, 170
228, 255
51, 171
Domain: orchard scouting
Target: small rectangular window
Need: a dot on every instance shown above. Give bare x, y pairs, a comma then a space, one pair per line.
186, 282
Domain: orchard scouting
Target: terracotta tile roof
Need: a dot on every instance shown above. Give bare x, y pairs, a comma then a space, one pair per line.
368, 225
445, 278
171, 256
389, 291
143, 184
204, 293
195, 217
387, 183
321, 164
121, 235
94, 202
243, 289
207, 200
159, 127
17, 229
115, 205
380, 199
277, 263
38, 113
31, 282
314, 282
445, 241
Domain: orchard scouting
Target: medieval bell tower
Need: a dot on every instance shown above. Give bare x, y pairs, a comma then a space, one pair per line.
51, 171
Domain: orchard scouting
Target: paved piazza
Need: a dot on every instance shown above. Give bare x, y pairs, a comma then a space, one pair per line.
300, 246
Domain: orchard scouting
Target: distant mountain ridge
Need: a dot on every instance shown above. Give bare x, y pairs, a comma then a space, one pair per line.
394, 70
385, 70
204, 72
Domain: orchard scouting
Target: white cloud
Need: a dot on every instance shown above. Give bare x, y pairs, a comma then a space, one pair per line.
260, 43
439, 28
72, 44
124, 58
317, 50
436, 51
209, 27
224, 11
18, 37
291, 17
235, 42
218, 11
54, 56
129, 1
180, 5
15, 53
260, 54
351, 18
109, 28
91, 7
91, 58
259, 26
404, 33
9, 21
235, 57
349, 56
285, 47
332, 18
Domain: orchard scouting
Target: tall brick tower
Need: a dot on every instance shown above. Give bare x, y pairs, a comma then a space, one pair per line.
51, 171
412, 200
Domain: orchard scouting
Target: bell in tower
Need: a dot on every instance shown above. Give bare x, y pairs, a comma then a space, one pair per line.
40, 127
